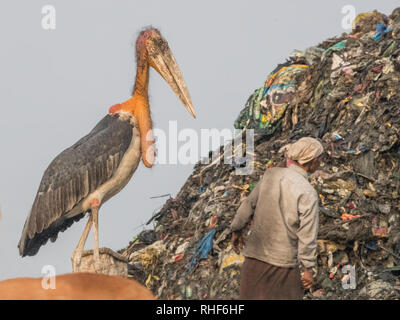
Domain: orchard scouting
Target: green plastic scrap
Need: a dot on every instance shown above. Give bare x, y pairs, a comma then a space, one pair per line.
256, 102
336, 47
186, 292
252, 185
135, 239
389, 49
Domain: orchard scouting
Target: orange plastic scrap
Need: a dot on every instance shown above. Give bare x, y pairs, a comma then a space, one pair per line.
213, 222
318, 293
244, 188
333, 271
347, 216
322, 198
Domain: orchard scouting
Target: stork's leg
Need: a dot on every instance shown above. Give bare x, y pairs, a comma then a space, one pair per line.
77, 255
95, 214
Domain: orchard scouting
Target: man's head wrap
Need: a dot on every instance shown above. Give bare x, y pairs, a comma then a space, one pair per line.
303, 150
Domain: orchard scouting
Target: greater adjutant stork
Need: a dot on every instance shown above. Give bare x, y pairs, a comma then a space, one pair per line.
98, 166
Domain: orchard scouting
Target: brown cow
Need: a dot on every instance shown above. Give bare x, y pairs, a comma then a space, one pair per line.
75, 286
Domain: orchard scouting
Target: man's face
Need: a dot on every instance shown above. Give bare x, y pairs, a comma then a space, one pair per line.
315, 164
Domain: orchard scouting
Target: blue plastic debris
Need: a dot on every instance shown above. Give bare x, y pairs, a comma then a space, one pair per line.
348, 150
203, 248
371, 244
336, 136
381, 29
362, 148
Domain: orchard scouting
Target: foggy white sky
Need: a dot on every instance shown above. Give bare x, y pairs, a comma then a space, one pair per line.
56, 85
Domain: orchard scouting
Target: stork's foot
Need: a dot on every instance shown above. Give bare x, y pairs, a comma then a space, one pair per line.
96, 261
77, 255
76, 260
96, 254
97, 268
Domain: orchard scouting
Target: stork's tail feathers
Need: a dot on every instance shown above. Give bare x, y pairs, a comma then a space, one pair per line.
30, 247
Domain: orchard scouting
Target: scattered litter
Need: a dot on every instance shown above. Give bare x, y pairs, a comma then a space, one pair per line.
333, 271
372, 244
178, 257
381, 29
346, 216
231, 259
202, 249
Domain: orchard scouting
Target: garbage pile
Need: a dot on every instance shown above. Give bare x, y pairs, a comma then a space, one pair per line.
344, 91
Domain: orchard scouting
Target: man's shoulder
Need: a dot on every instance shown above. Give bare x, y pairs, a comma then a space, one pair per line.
284, 172
293, 178
274, 174
276, 171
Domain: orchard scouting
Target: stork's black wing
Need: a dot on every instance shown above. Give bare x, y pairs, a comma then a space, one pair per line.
71, 176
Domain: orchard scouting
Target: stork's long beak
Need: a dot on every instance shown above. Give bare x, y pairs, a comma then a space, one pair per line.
162, 59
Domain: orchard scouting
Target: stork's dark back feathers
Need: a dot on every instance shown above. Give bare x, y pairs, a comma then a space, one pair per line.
71, 176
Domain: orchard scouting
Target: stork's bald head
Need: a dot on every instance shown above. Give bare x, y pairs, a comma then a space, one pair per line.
153, 49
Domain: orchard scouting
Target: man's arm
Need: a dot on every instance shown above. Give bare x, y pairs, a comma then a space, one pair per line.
245, 210
308, 229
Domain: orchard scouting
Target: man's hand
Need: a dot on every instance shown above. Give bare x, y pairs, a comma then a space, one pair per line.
307, 279
237, 241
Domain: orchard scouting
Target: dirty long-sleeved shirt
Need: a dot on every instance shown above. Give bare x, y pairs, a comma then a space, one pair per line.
285, 222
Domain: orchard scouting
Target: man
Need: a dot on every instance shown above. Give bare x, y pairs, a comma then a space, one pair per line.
284, 228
